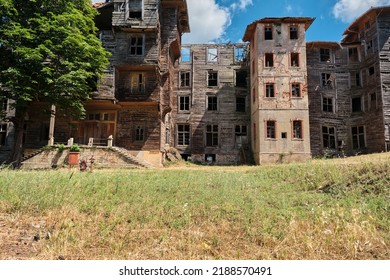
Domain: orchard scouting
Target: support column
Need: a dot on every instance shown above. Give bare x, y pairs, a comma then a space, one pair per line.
52, 122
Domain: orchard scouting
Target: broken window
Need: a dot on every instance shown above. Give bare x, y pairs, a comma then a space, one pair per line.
184, 103
293, 32
353, 54
135, 9
268, 33
240, 104
328, 137
240, 132
271, 129
326, 80
212, 54
212, 79
241, 77
185, 79
211, 135
239, 54
327, 104
137, 83
269, 60
358, 137
185, 54
137, 45
325, 55
212, 103
296, 90
356, 104
269, 90
3, 134
139, 133
297, 129
183, 134
294, 59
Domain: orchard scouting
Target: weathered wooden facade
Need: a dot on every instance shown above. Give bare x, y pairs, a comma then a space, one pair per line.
211, 113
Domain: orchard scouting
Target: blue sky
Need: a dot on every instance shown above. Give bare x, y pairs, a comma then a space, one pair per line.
225, 20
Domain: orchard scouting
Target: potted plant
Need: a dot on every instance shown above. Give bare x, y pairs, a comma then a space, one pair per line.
74, 155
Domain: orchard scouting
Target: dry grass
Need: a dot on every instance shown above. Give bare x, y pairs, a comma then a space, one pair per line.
325, 209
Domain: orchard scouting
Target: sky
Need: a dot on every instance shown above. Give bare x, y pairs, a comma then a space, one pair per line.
224, 21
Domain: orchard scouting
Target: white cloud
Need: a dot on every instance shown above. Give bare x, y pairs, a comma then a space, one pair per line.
288, 8
208, 21
241, 4
348, 10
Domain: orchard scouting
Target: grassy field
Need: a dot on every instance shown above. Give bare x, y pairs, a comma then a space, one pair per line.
324, 209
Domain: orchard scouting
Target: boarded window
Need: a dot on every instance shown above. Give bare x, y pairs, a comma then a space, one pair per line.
328, 137
183, 134
297, 129
212, 135
271, 129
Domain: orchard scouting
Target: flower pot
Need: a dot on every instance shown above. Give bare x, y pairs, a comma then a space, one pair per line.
74, 158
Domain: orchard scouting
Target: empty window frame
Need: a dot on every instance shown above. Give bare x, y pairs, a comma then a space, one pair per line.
212, 103
139, 133
325, 55
211, 135
185, 80
183, 134
355, 79
271, 129
358, 137
327, 104
293, 32
357, 104
294, 59
269, 90
239, 54
371, 71
373, 100
241, 78
328, 137
268, 34
135, 9
326, 80
240, 104
353, 54
185, 54
184, 103
137, 83
297, 129
212, 54
296, 90
3, 134
137, 45
212, 78
119, 7
241, 134
269, 59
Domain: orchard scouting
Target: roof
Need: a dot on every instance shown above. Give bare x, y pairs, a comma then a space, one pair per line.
250, 29
328, 44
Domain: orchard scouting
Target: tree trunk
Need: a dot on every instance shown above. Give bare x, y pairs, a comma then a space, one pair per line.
16, 157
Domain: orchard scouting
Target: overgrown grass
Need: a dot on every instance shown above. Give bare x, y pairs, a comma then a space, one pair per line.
325, 209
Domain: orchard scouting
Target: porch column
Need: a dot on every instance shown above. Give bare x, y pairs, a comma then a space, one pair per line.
52, 122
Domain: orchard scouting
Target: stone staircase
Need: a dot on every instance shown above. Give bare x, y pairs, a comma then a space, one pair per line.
32, 154
125, 154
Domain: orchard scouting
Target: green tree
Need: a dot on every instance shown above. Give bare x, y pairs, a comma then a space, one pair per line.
49, 52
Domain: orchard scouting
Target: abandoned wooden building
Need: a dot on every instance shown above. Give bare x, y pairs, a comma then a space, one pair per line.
278, 98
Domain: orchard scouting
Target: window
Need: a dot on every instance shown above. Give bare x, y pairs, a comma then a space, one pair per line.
297, 129
184, 103
328, 137
356, 104
239, 54
4, 105
212, 54
135, 9
254, 95
326, 80
240, 104
327, 104
212, 79
271, 129
212, 103
324, 55
294, 59
373, 104
241, 134
355, 79
296, 90
119, 7
137, 83
269, 60
269, 90
211, 135
369, 46
139, 133
3, 134
358, 138
371, 70
293, 32
353, 55
268, 33
93, 117
185, 79
241, 77
183, 134
185, 54
283, 135
136, 45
